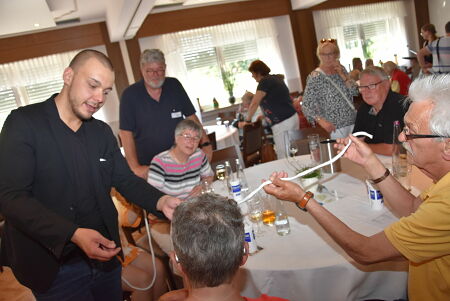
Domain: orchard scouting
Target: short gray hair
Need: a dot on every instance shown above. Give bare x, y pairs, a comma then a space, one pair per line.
188, 124
208, 238
152, 56
374, 71
437, 89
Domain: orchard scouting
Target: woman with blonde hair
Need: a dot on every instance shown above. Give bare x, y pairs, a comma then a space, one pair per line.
328, 97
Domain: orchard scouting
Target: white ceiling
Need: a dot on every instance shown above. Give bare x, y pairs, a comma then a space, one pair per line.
123, 17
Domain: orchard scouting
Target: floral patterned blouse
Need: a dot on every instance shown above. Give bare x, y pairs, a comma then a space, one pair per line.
322, 99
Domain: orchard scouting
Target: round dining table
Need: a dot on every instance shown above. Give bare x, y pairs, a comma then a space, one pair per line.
225, 135
307, 264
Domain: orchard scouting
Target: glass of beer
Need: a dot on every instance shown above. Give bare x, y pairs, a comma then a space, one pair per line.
268, 213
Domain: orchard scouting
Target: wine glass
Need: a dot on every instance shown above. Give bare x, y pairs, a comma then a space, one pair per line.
293, 149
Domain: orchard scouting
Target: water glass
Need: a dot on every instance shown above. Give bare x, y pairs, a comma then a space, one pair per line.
255, 210
314, 148
206, 186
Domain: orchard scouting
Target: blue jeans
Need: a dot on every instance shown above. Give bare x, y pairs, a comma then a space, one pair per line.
82, 282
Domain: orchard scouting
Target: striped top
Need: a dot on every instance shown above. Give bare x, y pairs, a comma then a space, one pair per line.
177, 179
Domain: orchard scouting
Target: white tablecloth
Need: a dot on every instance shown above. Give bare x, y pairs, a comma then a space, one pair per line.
307, 264
225, 136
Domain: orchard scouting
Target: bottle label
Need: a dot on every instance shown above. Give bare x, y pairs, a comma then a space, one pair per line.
236, 190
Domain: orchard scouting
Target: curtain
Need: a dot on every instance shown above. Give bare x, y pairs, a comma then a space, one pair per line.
174, 46
388, 16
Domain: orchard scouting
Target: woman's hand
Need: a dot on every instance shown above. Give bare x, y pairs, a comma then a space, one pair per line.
326, 125
284, 190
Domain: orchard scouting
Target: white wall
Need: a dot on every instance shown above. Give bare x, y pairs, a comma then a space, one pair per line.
439, 14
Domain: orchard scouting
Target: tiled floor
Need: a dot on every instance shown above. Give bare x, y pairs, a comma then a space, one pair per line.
11, 290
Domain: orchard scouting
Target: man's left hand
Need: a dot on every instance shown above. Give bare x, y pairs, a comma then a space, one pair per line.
167, 205
284, 190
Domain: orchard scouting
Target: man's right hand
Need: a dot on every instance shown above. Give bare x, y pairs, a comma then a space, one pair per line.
359, 152
141, 171
94, 245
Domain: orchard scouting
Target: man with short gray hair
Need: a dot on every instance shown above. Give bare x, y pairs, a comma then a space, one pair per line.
150, 109
380, 109
208, 238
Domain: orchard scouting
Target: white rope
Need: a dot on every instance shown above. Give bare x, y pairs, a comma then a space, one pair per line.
305, 172
153, 260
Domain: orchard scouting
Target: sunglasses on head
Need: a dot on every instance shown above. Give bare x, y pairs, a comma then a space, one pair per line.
327, 40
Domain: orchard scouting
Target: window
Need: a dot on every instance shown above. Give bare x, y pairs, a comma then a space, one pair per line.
206, 60
31, 81
378, 32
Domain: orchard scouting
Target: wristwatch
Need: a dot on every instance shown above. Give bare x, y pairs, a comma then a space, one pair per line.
304, 201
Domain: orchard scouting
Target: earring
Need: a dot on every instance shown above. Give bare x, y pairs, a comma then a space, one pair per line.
176, 259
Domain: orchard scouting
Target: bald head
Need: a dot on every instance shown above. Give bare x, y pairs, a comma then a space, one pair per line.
86, 54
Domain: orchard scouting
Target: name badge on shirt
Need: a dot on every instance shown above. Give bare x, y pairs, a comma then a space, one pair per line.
176, 115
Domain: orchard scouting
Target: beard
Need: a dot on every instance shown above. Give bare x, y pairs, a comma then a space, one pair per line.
156, 85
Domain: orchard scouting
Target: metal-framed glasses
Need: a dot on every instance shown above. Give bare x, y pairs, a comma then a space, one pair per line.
190, 138
409, 136
370, 87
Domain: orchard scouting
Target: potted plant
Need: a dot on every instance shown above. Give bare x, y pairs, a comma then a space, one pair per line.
310, 181
228, 82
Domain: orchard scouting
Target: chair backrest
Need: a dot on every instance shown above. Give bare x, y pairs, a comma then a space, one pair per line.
252, 143
230, 116
212, 139
230, 154
300, 139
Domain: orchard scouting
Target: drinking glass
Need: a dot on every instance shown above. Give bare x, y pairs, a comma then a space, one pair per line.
206, 186
268, 213
314, 148
255, 209
221, 175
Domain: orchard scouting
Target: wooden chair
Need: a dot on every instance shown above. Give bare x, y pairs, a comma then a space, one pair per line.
252, 143
230, 154
230, 116
212, 139
300, 139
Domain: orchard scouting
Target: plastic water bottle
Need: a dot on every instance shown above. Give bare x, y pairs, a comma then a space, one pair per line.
241, 176
281, 221
250, 237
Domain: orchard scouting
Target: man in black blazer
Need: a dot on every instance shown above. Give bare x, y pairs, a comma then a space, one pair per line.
57, 168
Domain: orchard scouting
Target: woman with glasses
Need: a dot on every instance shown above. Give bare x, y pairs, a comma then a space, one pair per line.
328, 97
179, 171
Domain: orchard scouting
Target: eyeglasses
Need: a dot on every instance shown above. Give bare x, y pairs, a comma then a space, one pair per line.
328, 40
418, 136
370, 87
159, 71
190, 138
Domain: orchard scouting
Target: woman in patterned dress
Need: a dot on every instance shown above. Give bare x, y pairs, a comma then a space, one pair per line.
328, 97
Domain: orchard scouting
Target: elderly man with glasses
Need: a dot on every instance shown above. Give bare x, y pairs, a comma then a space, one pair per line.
380, 109
422, 235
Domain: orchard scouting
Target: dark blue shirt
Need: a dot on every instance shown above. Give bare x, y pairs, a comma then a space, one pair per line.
153, 123
277, 104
